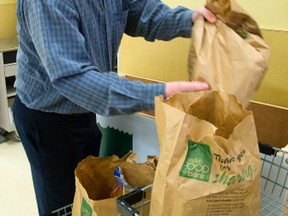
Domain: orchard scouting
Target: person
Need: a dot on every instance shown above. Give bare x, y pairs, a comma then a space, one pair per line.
66, 56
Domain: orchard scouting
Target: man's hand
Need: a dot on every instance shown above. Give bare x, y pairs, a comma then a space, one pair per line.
207, 14
184, 86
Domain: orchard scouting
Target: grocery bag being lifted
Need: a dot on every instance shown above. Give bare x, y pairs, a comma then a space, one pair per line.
230, 55
209, 160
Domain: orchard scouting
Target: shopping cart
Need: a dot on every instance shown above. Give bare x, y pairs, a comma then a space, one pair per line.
64, 211
274, 187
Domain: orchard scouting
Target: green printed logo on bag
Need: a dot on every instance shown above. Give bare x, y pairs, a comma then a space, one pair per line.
86, 209
198, 162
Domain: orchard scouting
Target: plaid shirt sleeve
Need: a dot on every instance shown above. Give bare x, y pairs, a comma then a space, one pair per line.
157, 21
69, 76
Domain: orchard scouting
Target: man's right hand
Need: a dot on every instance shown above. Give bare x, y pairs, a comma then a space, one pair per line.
206, 13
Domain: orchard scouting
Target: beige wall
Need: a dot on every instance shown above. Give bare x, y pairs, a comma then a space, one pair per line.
7, 19
167, 61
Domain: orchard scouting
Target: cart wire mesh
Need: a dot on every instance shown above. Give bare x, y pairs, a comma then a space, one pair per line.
64, 211
274, 183
274, 187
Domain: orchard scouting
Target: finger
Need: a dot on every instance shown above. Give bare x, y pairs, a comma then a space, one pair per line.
194, 86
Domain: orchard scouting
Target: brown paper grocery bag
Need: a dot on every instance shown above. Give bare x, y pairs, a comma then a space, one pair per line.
95, 182
209, 160
231, 54
83, 205
97, 188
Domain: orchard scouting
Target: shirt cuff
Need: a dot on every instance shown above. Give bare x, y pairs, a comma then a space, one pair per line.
157, 90
187, 27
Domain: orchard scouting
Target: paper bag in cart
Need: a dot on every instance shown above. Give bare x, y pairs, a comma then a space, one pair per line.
230, 55
209, 158
97, 188
94, 185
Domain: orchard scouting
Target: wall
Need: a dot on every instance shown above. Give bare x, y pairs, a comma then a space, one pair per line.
167, 61
7, 19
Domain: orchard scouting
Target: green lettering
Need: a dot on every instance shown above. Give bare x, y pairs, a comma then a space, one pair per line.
231, 180
223, 178
216, 179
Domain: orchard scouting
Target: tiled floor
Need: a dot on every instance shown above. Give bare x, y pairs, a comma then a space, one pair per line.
16, 189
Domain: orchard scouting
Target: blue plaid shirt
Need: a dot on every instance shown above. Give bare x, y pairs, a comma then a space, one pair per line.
68, 48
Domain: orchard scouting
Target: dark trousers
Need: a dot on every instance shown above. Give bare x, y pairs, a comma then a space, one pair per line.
54, 144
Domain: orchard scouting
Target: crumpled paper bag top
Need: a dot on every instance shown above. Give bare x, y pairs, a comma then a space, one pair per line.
96, 174
229, 12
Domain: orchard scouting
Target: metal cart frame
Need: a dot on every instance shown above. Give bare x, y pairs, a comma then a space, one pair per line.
64, 211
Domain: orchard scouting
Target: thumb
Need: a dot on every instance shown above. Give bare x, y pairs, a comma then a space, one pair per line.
207, 14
